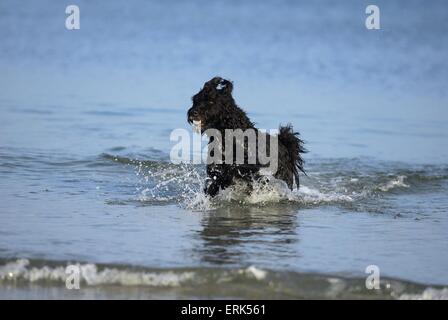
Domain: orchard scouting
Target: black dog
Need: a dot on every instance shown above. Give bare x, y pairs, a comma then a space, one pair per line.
215, 108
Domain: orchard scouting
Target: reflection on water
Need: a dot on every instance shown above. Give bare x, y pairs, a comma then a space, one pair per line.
232, 234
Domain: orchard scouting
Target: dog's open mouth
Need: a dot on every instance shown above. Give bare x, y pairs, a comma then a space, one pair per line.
196, 126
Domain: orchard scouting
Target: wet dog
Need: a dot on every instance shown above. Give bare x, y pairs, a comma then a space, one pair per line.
214, 113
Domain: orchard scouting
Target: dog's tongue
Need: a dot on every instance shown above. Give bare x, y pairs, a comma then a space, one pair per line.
197, 126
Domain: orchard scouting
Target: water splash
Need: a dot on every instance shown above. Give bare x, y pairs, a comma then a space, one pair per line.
334, 181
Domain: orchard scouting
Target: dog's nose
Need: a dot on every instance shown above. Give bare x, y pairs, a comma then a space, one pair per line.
192, 114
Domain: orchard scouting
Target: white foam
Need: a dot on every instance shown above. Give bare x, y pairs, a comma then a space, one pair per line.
21, 270
272, 190
90, 275
427, 294
394, 183
254, 272
310, 195
261, 192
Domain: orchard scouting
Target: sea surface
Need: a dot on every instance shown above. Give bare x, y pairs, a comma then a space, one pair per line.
85, 172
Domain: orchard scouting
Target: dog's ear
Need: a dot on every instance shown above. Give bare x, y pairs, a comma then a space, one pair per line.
225, 87
210, 86
218, 85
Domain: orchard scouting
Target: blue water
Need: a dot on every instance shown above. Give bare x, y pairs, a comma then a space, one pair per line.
85, 119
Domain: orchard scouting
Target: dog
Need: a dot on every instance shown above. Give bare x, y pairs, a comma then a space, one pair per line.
215, 109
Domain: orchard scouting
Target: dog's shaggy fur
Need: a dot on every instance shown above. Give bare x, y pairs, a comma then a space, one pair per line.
215, 108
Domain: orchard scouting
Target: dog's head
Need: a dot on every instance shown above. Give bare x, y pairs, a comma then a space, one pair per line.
210, 104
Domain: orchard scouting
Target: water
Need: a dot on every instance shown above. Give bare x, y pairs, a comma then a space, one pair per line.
85, 176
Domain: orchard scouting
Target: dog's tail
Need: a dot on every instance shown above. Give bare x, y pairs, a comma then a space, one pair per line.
291, 140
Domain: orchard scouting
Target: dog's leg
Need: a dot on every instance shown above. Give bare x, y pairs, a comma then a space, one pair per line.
218, 178
212, 189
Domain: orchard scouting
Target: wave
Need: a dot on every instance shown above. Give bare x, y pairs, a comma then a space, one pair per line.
22, 270
248, 282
